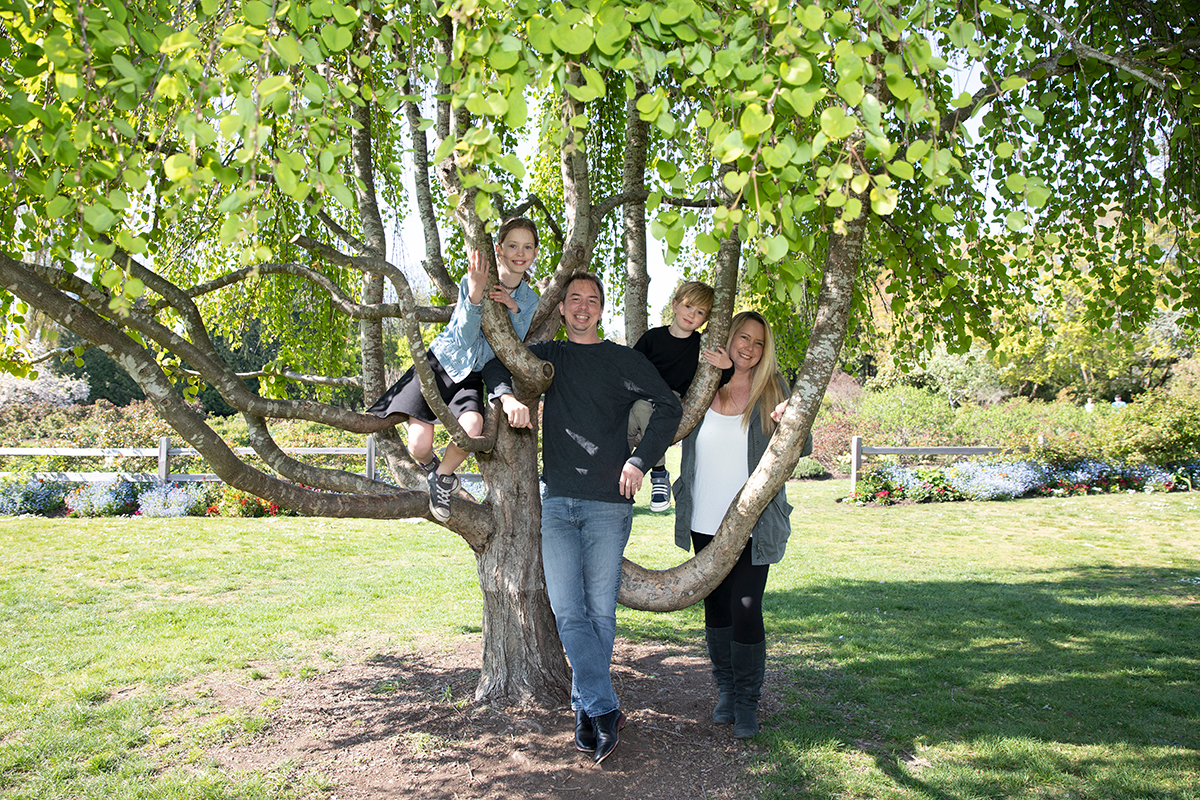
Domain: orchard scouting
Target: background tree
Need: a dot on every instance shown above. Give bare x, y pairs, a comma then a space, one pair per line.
189, 166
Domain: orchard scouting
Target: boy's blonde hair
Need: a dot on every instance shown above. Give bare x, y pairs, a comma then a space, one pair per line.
696, 293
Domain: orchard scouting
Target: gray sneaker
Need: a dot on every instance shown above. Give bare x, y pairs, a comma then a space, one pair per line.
441, 487
660, 490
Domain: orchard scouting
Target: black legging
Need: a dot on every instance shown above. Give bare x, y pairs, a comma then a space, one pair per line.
737, 601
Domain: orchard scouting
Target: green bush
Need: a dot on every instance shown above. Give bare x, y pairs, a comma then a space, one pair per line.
808, 467
910, 417
1018, 422
1159, 427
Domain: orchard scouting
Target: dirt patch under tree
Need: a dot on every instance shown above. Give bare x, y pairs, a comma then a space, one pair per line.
403, 725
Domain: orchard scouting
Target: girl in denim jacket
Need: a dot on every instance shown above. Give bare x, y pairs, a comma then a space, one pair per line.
457, 355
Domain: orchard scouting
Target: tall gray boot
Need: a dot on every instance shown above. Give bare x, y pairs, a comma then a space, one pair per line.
719, 640
749, 662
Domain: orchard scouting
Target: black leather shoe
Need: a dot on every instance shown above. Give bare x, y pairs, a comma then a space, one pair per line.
608, 727
585, 732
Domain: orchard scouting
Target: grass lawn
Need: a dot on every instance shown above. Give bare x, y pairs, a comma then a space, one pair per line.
1038, 648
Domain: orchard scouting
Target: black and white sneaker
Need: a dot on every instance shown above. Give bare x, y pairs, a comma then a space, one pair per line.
432, 465
441, 487
660, 490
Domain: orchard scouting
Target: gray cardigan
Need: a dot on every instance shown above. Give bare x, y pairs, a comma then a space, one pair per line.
771, 532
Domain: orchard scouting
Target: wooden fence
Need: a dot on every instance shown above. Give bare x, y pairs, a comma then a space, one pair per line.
163, 453
858, 450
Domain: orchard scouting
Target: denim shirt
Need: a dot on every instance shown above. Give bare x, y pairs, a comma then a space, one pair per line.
461, 347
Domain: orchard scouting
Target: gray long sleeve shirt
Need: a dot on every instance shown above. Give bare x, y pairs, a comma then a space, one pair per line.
586, 413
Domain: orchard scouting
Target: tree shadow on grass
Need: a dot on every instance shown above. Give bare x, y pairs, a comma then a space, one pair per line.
1088, 673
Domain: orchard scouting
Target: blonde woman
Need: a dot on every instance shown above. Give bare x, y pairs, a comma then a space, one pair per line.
741, 419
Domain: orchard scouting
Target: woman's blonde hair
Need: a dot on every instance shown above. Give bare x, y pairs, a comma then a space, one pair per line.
765, 392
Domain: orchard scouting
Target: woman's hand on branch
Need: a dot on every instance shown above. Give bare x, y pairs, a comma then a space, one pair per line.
718, 358
777, 414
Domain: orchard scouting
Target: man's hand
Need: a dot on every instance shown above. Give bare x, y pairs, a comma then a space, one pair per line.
631, 480
518, 413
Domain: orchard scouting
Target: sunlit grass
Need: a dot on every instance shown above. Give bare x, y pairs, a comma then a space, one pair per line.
1036, 648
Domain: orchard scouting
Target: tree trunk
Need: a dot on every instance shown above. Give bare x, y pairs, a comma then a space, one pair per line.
637, 280
523, 659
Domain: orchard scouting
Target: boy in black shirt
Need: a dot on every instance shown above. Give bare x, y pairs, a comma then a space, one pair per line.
674, 350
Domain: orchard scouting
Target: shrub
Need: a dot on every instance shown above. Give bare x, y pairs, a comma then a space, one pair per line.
909, 416
808, 467
103, 499
31, 496
1157, 428
177, 500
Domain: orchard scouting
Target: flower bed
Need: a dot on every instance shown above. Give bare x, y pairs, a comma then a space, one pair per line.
1007, 479
122, 498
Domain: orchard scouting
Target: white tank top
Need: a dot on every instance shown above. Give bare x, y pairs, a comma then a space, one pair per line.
721, 469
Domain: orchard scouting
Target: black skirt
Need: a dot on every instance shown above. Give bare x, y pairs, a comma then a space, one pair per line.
404, 397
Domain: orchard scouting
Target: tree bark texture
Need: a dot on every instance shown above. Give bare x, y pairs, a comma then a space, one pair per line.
523, 659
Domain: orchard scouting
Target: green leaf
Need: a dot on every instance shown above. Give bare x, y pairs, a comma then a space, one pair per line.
518, 112
1005, 150
775, 248
707, 243
272, 85
444, 150
344, 14
754, 121
611, 37
901, 169
1015, 182
256, 13
943, 214
288, 50
836, 124
916, 151
797, 71
851, 91
871, 111
178, 166
58, 207
1037, 195
735, 181
538, 30
812, 17
884, 200
1015, 220
572, 37
901, 87
336, 37
1034, 115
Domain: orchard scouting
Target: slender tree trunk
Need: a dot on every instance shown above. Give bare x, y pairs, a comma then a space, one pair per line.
637, 280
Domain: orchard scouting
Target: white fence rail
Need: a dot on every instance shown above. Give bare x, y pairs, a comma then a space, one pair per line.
858, 450
163, 453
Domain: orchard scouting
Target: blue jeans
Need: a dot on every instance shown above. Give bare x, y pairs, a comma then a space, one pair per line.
582, 545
